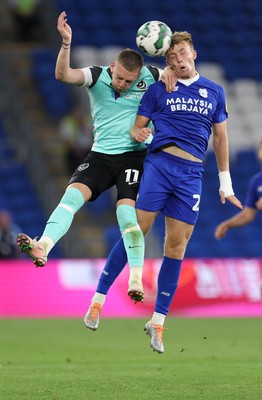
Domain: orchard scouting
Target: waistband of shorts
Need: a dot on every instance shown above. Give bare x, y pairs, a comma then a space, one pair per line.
177, 160
133, 152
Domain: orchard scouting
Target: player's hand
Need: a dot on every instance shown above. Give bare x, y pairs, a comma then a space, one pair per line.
259, 204
221, 231
63, 28
232, 200
141, 135
169, 78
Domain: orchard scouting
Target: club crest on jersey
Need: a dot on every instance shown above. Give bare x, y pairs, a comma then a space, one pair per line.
83, 166
203, 93
141, 85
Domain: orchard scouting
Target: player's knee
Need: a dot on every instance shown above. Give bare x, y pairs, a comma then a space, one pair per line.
175, 248
127, 219
73, 199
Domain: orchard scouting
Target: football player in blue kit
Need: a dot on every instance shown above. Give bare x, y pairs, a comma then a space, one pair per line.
252, 205
172, 179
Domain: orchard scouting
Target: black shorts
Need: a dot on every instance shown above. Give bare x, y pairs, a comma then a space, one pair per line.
102, 171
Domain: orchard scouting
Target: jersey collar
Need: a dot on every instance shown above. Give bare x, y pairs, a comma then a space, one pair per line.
188, 82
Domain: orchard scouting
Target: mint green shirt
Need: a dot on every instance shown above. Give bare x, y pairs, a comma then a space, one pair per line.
113, 113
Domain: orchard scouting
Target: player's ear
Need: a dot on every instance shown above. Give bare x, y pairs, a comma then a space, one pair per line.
194, 54
112, 66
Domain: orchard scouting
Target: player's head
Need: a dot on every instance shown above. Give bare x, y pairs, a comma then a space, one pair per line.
126, 69
181, 55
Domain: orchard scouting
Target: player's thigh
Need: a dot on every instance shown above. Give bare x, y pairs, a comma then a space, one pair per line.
183, 203
153, 192
96, 173
129, 173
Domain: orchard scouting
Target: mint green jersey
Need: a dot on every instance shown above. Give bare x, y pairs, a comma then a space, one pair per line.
114, 113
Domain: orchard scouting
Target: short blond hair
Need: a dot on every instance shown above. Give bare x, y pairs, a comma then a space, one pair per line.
181, 36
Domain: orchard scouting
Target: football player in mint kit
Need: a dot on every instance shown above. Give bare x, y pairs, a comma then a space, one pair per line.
114, 92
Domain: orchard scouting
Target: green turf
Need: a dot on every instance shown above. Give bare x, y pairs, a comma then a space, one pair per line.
61, 360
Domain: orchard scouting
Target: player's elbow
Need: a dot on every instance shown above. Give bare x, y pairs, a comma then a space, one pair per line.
60, 76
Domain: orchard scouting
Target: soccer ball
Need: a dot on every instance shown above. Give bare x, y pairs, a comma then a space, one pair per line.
153, 38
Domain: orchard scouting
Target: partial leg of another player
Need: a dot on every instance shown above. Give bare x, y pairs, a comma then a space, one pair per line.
116, 262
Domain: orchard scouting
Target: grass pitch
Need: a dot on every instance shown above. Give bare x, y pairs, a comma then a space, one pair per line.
59, 359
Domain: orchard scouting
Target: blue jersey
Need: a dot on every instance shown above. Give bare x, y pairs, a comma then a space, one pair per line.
185, 116
254, 191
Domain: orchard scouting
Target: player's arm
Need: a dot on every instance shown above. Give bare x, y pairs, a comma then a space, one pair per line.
140, 131
63, 71
169, 78
220, 145
244, 217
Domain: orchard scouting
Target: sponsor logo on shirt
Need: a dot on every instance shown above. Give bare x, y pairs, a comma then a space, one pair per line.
193, 105
141, 85
203, 93
83, 166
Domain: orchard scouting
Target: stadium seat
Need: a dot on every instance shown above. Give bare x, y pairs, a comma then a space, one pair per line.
85, 56
17, 193
109, 54
56, 96
104, 204
213, 71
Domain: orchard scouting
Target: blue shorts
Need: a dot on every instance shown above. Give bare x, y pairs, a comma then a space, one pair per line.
171, 185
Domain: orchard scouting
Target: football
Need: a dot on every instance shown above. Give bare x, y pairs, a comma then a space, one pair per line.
153, 38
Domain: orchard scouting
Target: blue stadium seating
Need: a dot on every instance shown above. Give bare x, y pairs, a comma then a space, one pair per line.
56, 96
17, 194
223, 30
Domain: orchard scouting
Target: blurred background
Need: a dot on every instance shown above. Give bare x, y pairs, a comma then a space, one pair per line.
45, 126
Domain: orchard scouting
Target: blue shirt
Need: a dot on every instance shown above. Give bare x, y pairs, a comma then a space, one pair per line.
186, 115
254, 190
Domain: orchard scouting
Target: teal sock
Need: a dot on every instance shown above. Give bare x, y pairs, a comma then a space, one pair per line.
62, 217
132, 235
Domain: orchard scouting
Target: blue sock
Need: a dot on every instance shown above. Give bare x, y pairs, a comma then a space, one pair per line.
167, 283
115, 263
